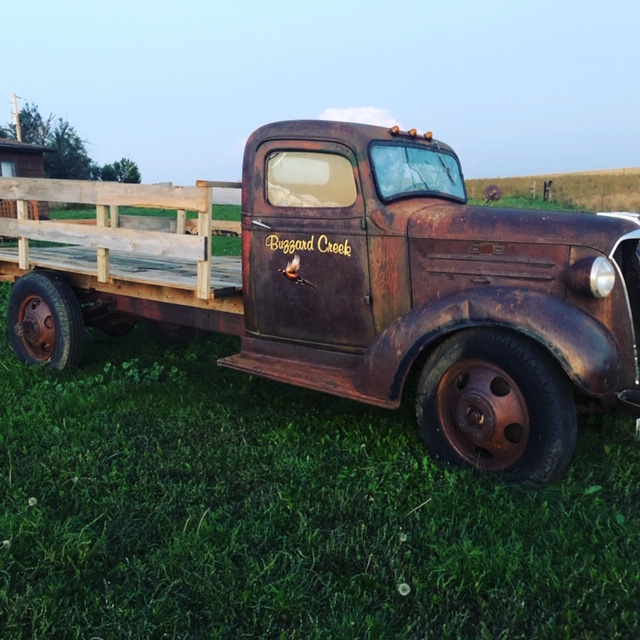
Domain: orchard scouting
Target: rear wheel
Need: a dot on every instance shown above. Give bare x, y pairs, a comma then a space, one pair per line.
45, 321
495, 402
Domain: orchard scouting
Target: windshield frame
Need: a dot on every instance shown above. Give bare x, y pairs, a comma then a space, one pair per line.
433, 148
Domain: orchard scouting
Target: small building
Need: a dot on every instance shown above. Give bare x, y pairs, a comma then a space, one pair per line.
22, 160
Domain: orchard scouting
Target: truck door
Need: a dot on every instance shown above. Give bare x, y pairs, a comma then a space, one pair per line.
309, 273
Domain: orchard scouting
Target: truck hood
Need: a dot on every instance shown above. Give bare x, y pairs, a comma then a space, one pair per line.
491, 224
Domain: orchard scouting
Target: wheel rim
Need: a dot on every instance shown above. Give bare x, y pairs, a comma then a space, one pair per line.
36, 327
483, 415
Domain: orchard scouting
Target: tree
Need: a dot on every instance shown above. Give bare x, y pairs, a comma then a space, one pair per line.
69, 158
34, 128
123, 170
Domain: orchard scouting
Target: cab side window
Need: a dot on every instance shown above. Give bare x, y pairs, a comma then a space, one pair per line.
310, 179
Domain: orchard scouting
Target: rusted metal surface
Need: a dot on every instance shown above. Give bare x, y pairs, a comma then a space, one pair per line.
36, 327
421, 268
330, 248
483, 414
111, 312
587, 351
299, 365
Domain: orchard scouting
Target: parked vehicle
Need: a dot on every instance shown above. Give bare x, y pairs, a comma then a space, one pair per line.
361, 260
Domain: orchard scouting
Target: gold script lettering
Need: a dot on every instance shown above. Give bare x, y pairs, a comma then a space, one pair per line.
290, 245
326, 246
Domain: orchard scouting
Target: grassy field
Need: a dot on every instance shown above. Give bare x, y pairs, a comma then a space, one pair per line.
608, 190
150, 494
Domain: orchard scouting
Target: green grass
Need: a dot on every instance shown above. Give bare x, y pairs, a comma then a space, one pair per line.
150, 494
612, 190
522, 202
220, 211
222, 245
176, 499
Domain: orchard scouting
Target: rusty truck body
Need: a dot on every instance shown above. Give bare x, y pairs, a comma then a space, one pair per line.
361, 261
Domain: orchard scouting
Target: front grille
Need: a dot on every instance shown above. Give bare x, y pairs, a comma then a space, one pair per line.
627, 256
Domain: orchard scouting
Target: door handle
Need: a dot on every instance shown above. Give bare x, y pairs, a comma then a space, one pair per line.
258, 223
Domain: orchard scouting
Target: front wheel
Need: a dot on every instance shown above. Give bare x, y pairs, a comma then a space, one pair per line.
45, 321
496, 402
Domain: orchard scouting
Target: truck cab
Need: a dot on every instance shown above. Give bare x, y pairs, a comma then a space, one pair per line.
363, 260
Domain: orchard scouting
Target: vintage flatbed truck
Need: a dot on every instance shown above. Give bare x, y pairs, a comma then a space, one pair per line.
361, 260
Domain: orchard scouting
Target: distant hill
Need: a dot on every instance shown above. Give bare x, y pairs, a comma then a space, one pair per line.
606, 190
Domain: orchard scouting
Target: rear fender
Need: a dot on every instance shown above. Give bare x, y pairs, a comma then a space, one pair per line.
582, 346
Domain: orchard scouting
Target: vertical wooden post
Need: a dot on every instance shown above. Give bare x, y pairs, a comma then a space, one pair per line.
22, 213
181, 222
114, 216
35, 209
203, 287
102, 220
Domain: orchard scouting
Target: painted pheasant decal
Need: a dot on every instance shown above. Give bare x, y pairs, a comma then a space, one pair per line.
291, 272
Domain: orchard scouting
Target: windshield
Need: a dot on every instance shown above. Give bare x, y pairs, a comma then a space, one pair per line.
401, 170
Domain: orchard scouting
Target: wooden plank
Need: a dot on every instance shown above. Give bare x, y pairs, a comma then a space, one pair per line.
9, 271
181, 221
211, 184
102, 220
155, 243
114, 216
103, 265
203, 287
157, 223
226, 272
23, 242
112, 193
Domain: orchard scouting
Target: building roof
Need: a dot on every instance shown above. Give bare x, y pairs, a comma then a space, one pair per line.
26, 147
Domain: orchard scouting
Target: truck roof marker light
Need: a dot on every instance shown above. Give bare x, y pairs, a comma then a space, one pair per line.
395, 130
412, 132
429, 136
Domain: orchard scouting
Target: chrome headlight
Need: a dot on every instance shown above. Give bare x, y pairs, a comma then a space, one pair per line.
594, 277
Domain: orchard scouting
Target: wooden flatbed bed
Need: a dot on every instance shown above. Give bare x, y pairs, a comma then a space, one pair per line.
226, 271
123, 255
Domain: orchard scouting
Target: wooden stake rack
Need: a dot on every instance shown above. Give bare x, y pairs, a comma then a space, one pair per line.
111, 251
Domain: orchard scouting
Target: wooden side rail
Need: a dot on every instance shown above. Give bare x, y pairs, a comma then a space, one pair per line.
106, 235
153, 243
155, 196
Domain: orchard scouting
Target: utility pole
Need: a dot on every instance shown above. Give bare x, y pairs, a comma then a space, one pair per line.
16, 118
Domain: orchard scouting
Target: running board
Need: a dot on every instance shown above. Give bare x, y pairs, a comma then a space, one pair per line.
310, 372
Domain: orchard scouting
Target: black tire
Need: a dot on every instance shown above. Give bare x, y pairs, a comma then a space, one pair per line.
494, 401
45, 321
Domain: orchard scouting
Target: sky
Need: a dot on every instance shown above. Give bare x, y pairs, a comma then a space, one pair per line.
515, 87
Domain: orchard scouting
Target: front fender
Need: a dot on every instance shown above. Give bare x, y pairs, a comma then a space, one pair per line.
580, 344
